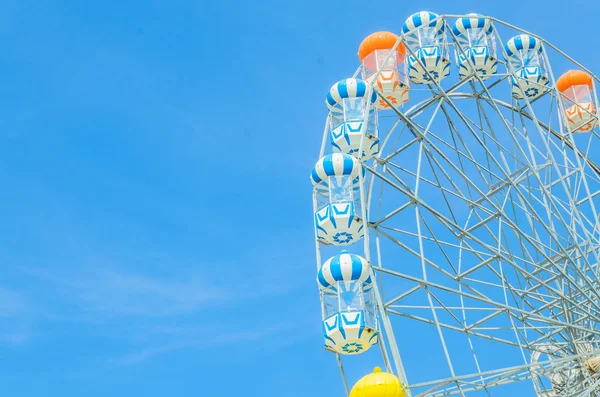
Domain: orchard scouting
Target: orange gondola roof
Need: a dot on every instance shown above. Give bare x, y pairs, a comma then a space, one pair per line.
379, 41
573, 78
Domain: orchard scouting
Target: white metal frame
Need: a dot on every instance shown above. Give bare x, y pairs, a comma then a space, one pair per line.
551, 296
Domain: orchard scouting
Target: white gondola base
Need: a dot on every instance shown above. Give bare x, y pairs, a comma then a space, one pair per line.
581, 117
485, 64
530, 82
347, 333
391, 87
428, 60
346, 137
337, 224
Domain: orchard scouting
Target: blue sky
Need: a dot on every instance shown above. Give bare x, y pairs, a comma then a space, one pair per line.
156, 230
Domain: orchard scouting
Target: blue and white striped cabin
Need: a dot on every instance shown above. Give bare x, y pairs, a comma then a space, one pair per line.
350, 321
424, 35
476, 50
336, 181
527, 64
352, 118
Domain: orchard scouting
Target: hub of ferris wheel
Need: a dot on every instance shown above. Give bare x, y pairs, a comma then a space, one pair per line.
457, 171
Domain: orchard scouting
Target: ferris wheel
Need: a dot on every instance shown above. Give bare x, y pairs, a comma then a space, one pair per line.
456, 214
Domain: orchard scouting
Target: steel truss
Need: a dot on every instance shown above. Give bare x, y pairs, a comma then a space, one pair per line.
482, 218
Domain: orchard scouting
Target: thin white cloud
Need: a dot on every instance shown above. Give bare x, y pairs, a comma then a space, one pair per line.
154, 314
12, 303
109, 293
140, 295
15, 338
140, 356
15, 318
201, 338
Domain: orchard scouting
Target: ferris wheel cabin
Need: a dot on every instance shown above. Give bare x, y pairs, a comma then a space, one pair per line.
544, 181
352, 117
526, 56
350, 321
424, 34
476, 50
378, 383
577, 97
335, 178
383, 66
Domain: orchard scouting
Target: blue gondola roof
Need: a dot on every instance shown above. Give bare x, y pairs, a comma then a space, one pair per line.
522, 42
335, 164
344, 267
347, 88
473, 21
423, 18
